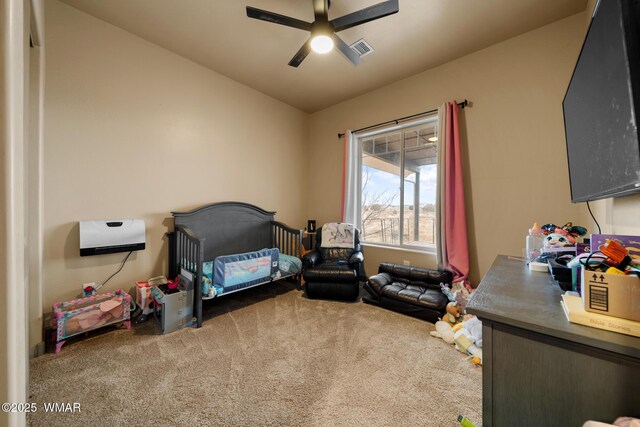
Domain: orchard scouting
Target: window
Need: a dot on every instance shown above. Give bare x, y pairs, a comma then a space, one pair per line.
398, 174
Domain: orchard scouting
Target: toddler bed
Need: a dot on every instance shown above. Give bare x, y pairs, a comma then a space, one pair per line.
231, 246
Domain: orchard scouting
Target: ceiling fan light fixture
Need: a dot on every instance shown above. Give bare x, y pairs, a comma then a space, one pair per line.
324, 31
321, 44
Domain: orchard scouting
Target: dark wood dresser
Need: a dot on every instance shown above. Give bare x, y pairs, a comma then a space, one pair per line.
539, 369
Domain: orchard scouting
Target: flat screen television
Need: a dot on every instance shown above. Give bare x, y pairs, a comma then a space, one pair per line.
602, 103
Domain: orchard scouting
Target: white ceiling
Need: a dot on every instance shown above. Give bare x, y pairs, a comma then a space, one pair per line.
425, 33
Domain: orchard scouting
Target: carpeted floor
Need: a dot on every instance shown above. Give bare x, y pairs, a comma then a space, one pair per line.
264, 357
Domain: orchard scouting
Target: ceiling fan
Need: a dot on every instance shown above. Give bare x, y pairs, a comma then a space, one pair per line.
323, 32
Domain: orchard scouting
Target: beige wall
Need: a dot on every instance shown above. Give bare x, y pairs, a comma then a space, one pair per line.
616, 216
513, 139
35, 180
134, 131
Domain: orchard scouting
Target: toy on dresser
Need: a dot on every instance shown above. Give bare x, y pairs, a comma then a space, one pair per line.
562, 236
86, 314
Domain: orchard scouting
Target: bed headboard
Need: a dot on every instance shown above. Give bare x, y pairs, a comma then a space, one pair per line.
228, 227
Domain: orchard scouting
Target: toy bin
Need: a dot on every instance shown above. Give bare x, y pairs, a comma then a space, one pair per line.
89, 313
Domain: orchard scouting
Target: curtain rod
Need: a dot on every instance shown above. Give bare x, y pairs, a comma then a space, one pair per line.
396, 121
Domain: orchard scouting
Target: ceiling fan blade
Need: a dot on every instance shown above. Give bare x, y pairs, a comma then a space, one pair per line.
368, 14
264, 15
320, 8
346, 50
302, 53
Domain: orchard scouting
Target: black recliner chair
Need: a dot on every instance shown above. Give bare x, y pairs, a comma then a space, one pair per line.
410, 290
333, 273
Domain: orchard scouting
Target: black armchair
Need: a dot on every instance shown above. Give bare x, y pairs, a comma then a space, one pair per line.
333, 273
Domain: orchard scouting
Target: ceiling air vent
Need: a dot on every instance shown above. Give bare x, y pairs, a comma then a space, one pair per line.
361, 47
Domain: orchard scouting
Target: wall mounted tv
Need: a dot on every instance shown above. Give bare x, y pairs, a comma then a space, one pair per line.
602, 103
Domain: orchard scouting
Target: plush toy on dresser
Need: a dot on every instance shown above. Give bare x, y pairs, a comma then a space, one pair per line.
562, 236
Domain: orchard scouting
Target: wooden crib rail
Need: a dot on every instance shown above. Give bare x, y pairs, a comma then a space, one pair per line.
189, 254
287, 239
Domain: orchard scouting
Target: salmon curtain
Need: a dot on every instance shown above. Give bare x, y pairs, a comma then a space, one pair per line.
452, 249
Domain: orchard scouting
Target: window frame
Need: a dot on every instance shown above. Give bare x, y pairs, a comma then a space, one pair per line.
358, 138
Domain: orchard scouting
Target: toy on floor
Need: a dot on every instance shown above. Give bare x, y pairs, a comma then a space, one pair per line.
461, 295
143, 295
464, 421
454, 312
174, 300
446, 290
144, 301
444, 331
457, 293
89, 313
456, 327
467, 336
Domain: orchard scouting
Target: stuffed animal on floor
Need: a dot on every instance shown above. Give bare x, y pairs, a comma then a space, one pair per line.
456, 293
446, 291
444, 331
461, 295
467, 337
454, 311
